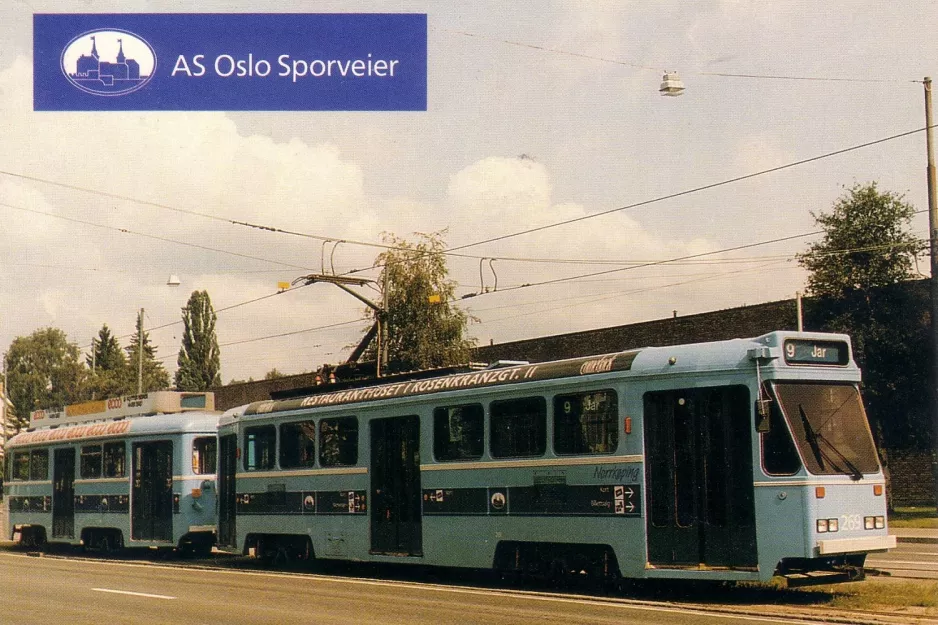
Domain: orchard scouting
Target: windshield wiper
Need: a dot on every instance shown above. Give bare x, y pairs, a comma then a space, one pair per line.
855, 473
813, 436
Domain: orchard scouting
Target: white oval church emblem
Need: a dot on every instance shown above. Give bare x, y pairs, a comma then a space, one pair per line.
108, 62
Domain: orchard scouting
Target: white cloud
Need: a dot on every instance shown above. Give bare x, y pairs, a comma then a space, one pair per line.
598, 133
78, 276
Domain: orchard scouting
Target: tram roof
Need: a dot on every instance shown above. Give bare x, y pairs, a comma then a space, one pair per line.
718, 355
151, 413
175, 423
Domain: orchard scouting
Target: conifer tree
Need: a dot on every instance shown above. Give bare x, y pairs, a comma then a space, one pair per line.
155, 377
199, 357
110, 374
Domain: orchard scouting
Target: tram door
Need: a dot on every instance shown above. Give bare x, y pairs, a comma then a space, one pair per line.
227, 493
151, 498
698, 454
395, 487
63, 494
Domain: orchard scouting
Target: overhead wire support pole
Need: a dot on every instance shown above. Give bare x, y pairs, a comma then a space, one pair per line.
377, 330
933, 247
140, 354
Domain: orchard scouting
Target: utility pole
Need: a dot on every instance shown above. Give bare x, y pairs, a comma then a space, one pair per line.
933, 246
4, 398
140, 353
383, 314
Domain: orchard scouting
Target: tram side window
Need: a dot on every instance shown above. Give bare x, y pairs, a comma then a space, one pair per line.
115, 460
204, 455
519, 427
586, 423
779, 456
297, 445
338, 442
259, 443
91, 462
20, 465
458, 432
39, 464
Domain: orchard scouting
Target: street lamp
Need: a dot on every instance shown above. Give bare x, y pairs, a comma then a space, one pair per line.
671, 85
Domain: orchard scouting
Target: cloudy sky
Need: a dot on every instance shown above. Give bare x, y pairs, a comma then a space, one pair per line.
538, 113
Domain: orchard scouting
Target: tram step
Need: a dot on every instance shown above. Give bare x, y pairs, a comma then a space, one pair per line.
813, 578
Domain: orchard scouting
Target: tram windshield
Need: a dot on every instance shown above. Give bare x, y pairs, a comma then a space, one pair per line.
830, 428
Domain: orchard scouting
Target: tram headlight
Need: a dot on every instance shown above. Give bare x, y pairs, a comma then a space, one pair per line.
827, 525
880, 522
869, 522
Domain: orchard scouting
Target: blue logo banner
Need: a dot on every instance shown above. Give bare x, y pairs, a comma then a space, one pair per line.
230, 62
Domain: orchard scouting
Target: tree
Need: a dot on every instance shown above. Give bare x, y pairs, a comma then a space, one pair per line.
155, 377
110, 374
866, 244
866, 251
424, 328
273, 374
43, 371
199, 360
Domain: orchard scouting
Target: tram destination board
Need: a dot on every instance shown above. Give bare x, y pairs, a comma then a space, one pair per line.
809, 352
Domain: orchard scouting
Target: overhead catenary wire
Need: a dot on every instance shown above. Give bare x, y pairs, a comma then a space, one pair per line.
605, 297
696, 189
154, 237
662, 67
452, 251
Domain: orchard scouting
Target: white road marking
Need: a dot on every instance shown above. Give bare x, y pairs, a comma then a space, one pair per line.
135, 594
620, 603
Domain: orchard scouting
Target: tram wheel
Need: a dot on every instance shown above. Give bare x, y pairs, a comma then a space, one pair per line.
110, 543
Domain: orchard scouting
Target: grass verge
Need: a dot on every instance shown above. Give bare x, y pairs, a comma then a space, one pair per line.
887, 595
926, 518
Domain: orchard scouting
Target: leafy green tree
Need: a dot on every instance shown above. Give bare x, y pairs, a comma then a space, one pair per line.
273, 374
110, 373
155, 377
866, 244
866, 251
44, 370
199, 359
424, 328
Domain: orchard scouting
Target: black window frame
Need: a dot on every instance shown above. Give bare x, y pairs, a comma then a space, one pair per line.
779, 454
516, 431
296, 444
267, 444
573, 429
87, 462
19, 469
111, 452
35, 473
204, 457
448, 449
344, 452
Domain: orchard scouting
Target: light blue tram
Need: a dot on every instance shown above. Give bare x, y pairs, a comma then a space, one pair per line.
134, 471
733, 460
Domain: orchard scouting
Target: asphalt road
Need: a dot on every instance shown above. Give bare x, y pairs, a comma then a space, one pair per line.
42, 590
912, 560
